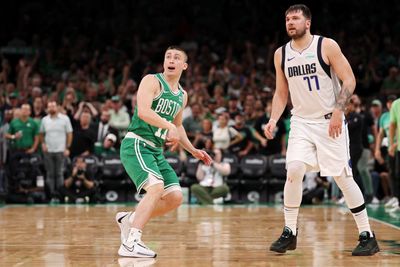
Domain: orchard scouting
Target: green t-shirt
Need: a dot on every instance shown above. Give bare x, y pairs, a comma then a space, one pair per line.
167, 104
384, 122
395, 117
100, 151
390, 84
29, 130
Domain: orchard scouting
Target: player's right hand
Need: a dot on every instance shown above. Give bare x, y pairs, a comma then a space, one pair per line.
172, 136
269, 129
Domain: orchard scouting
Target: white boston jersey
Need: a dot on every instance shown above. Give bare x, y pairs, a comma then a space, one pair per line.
313, 85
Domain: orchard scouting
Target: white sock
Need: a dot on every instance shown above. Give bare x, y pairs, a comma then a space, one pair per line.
131, 217
291, 218
362, 221
355, 201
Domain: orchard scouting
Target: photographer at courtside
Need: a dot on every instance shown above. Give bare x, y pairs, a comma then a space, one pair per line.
79, 186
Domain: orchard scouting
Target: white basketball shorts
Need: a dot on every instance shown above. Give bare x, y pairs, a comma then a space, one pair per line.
309, 142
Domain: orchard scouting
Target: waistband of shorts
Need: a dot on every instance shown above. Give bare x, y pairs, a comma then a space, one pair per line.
133, 135
323, 119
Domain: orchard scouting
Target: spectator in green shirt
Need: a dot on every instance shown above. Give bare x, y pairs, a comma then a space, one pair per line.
24, 132
107, 147
24, 136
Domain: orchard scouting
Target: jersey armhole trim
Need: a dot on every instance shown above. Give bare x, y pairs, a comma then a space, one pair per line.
283, 57
324, 66
161, 87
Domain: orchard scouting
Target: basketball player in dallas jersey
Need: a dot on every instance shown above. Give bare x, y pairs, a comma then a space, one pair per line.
309, 67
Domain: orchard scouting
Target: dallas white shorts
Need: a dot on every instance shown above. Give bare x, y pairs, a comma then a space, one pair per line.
309, 142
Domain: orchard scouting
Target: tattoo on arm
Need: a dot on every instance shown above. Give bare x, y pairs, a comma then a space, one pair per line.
343, 99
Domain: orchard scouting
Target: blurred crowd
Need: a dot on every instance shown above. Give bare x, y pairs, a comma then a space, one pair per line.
67, 86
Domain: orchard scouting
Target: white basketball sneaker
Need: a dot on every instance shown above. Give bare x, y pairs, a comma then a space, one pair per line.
122, 219
392, 203
134, 247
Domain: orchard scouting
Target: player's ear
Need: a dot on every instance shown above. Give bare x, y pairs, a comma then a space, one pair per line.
308, 24
185, 66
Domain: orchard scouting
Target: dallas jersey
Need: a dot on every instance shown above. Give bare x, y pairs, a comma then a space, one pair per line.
167, 105
313, 84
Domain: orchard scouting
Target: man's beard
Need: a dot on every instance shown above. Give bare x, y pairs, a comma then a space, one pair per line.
298, 34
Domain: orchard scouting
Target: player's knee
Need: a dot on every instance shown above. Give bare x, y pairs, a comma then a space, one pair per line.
345, 182
155, 189
296, 170
175, 199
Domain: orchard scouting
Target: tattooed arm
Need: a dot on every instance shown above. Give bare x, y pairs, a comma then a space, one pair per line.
343, 98
334, 57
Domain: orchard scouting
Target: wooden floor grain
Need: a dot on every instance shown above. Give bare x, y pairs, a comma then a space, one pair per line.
191, 236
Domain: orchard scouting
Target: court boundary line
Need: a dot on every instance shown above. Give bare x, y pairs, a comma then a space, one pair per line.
383, 222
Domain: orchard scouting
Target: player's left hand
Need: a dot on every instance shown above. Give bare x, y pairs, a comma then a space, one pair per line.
335, 125
203, 156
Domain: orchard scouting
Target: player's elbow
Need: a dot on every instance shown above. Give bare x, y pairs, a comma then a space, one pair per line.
142, 114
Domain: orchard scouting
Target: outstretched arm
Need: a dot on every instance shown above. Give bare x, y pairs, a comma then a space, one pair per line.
184, 140
333, 56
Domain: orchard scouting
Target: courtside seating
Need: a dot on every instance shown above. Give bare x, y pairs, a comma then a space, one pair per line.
253, 180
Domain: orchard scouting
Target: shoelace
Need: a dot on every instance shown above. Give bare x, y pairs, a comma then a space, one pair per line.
363, 240
285, 234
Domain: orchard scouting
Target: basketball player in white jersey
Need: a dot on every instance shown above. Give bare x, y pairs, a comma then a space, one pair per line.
309, 67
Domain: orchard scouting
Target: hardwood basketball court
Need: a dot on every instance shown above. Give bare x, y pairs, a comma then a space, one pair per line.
192, 236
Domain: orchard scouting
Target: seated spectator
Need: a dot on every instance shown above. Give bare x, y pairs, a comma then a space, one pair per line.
273, 146
192, 123
233, 107
204, 134
211, 180
106, 147
314, 188
224, 135
244, 146
79, 186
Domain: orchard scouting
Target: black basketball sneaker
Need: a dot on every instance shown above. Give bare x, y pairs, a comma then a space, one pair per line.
287, 241
367, 246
